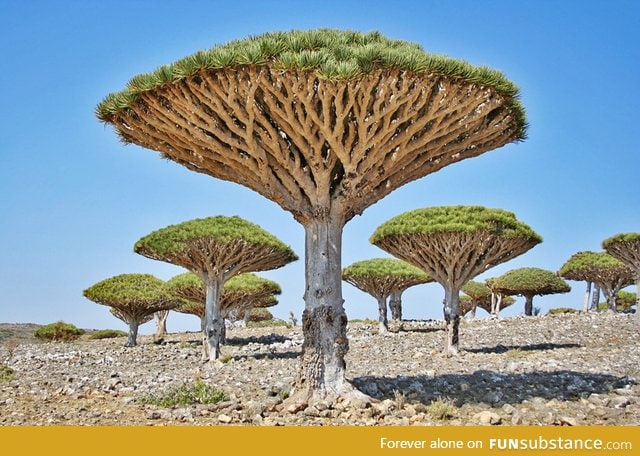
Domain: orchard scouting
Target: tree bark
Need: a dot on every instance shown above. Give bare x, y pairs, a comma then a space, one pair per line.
595, 297
133, 333
638, 295
160, 318
321, 374
214, 321
383, 324
452, 319
494, 300
528, 305
587, 295
395, 304
474, 308
205, 345
498, 304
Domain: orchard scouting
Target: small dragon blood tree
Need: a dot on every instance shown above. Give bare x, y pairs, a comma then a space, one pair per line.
216, 249
453, 244
529, 282
134, 298
380, 277
626, 248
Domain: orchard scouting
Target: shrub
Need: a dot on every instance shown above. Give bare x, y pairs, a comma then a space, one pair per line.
442, 409
59, 332
107, 334
184, 395
562, 310
6, 373
268, 323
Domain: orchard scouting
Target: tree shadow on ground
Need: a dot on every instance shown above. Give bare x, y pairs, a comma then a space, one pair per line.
264, 340
270, 355
491, 388
530, 347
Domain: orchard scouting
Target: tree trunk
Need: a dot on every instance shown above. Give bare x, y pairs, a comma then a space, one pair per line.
452, 319
587, 295
638, 295
595, 297
160, 318
214, 321
247, 315
474, 308
528, 305
494, 300
395, 304
611, 295
205, 345
321, 374
133, 333
498, 304
383, 324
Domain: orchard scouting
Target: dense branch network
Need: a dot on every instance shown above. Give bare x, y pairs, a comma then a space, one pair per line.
302, 141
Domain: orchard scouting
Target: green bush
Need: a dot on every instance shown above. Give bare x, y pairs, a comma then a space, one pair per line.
268, 323
184, 395
6, 373
107, 334
59, 332
562, 310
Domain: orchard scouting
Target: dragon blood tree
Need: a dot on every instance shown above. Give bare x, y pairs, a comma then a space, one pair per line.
216, 249
324, 123
610, 274
380, 277
529, 282
480, 295
453, 244
134, 298
239, 294
626, 248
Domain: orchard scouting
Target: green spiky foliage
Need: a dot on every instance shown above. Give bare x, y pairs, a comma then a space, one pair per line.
529, 282
380, 277
191, 244
455, 219
601, 268
453, 244
133, 298
331, 54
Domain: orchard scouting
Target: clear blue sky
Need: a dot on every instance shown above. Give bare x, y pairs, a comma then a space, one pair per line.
75, 200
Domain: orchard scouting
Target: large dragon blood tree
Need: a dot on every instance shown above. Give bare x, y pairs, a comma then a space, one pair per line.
133, 298
453, 244
529, 282
380, 277
325, 123
626, 248
609, 273
216, 249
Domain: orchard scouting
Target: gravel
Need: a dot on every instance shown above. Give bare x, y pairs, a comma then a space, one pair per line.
579, 369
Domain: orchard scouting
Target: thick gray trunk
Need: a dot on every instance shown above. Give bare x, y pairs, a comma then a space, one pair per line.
499, 298
383, 324
133, 333
587, 295
324, 322
528, 305
595, 297
247, 315
472, 314
214, 321
452, 319
395, 305
160, 318
494, 301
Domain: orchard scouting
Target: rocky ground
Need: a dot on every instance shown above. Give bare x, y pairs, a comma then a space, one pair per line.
550, 370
